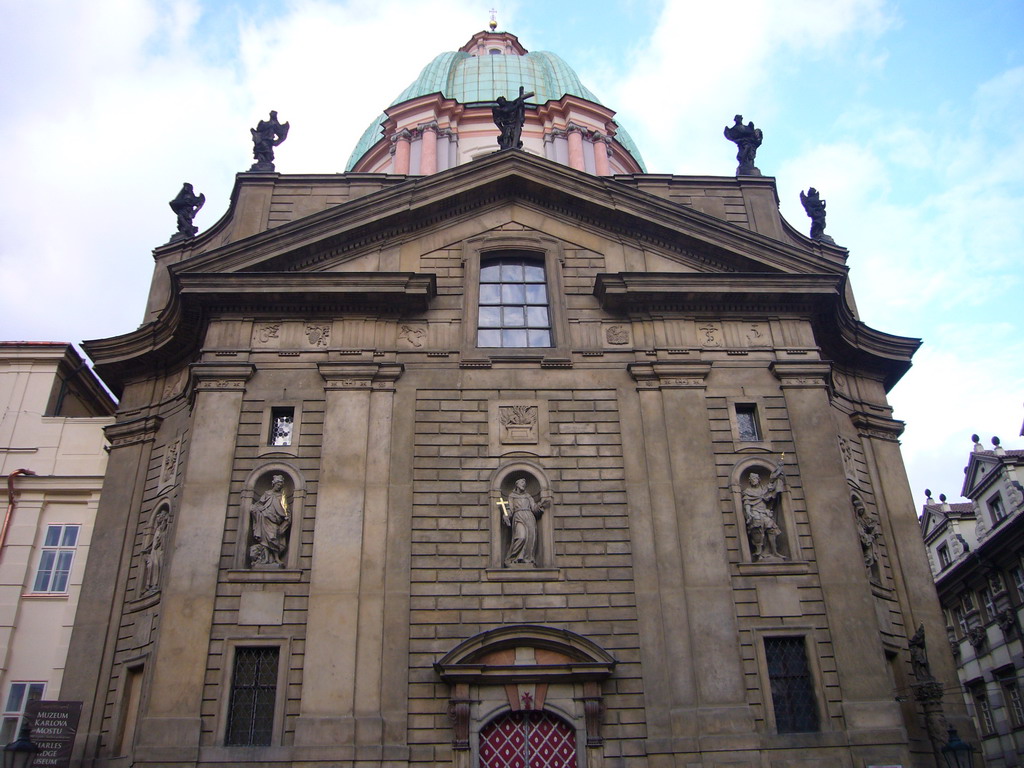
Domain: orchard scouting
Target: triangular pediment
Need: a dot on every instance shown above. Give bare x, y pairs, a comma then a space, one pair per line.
982, 467
509, 188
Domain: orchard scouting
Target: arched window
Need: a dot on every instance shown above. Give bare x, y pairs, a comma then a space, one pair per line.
528, 739
513, 303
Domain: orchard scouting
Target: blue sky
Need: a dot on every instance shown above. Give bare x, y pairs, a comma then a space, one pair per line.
907, 116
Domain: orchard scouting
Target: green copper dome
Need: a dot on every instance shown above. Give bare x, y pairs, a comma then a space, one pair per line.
466, 79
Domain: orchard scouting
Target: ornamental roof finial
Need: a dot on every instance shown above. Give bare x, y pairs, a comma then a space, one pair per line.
493, 23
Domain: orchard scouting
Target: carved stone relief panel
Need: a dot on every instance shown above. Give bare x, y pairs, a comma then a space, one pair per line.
318, 335
412, 335
266, 334
518, 425
169, 465
849, 460
617, 335
709, 335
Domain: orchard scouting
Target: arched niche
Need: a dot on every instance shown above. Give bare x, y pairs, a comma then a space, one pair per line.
154, 548
508, 512
869, 531
755, 501
525, 669
269, 532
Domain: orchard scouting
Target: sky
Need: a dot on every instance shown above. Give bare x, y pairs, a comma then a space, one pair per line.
907, 116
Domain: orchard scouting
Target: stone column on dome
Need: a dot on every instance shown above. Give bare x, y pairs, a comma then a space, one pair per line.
403, 141
576, 159
601, 155
428, 156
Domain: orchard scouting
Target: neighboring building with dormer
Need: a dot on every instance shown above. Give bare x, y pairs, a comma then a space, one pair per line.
52, 455
975, 549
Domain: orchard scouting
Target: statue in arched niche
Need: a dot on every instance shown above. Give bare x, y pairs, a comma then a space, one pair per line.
760, 512
153, 552
520, 512
271, 521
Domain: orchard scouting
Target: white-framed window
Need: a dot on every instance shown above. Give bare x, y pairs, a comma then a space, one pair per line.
18, 697
1012, 699
983, 709
943, 553
995, 506
56, 558
989, 601
1017, 574
961, 620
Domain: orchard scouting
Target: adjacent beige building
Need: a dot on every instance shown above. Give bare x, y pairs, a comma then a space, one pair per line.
522, 460
52, 456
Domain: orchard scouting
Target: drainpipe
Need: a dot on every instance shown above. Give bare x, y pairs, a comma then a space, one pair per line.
10, 503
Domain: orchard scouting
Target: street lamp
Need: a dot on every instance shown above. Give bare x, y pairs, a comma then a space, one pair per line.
21, 752
957, 753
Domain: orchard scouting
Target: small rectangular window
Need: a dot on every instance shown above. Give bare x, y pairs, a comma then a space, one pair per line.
792, 691
983, 709
746, 423
253, 697
56, 558
1012, 700
282, 423
989, 601
943, 552
995, 506
18, 697
1017, 574
961, 620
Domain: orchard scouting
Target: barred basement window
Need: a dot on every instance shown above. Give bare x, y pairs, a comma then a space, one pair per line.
513, 303
282, 422
746, 422
253, 697
792, 691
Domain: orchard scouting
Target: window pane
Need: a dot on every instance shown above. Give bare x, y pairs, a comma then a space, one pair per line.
35, 691
540, 339
534, 274
513, 316
513, 338
70, 536
513, 294
490, 294
511, 273
253, 697
14, 697
537, 317
792, 692
9, 730
490, 317
746, 423
488, 338
52, 535
536, 294
490, 274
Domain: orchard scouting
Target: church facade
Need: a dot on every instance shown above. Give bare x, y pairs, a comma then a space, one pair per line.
482, 458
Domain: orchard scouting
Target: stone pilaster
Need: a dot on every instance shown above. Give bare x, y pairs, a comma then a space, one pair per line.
345, 656
714, 707
103, 587
171, 726
863, 676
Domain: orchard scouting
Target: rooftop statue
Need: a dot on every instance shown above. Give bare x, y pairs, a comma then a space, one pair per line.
510, 116
815, 208
747, 139
265, 136
185, 206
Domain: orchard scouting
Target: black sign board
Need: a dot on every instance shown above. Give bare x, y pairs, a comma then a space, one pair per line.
54, 725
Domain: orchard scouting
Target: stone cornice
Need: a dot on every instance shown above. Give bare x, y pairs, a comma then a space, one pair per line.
137, 430
379, 377
820, 298
219, 377
670, 375
881, 427
801, 375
